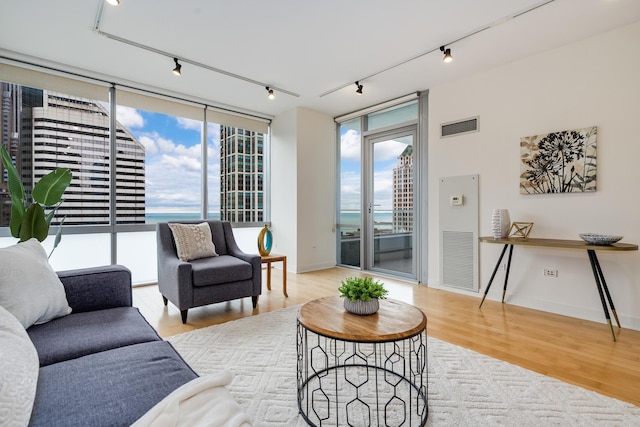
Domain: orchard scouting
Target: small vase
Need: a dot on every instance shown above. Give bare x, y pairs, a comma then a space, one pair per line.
500, 223
362, 308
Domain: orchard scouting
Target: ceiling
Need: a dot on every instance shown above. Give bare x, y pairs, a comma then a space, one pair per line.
314, 49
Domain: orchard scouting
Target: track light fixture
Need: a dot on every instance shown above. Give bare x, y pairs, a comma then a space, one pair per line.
359, 88
113, 2
447, 54
270, 94
177, 71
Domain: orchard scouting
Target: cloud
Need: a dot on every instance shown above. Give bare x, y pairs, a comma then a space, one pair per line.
150, 147
387, 150
180, 163
173, 166
129, 117
189, 123
350, 145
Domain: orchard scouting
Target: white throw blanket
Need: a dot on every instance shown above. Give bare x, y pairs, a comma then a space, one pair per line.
202, 402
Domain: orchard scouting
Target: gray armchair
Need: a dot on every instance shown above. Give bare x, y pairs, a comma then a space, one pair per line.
231, 275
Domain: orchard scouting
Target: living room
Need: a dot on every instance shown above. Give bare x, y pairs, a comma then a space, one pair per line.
583, 82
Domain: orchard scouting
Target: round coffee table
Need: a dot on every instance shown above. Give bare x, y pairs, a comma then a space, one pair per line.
362, 370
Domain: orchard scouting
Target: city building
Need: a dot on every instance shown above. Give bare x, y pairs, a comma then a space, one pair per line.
45, 130
403, 192
241, 175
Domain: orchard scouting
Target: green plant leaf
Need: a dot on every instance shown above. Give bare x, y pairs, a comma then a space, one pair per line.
52, 213
17, 213
34, 224
48, 191
362, 288
15, 185
56, 242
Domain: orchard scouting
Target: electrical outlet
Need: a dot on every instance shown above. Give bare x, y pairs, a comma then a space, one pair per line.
550, 273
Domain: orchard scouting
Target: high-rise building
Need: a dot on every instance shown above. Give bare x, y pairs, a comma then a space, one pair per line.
10, 99
241, 175
403, 192
59, 130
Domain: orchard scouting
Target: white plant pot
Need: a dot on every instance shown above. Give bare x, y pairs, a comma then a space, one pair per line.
360, 307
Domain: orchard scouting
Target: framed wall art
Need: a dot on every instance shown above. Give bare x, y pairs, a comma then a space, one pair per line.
558, 162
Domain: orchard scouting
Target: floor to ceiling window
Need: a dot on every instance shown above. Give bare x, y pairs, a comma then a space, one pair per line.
167, 164
378, 191
350, 194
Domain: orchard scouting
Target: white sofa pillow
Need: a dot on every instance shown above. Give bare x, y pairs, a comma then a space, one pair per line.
29, 288
193, 241
18, 372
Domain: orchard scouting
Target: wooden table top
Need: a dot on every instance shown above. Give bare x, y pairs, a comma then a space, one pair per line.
272, 258
559, 243
395, 320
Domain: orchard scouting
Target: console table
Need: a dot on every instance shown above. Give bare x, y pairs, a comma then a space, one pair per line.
362, 370
601, 284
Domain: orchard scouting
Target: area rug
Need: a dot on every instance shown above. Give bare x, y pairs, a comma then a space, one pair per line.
465, 388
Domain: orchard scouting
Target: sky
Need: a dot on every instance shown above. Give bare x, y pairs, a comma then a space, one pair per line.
173, 159
386, 159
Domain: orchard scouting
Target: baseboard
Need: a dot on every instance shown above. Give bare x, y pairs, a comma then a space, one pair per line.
313, 267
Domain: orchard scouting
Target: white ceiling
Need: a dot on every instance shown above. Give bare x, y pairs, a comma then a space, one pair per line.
303, 46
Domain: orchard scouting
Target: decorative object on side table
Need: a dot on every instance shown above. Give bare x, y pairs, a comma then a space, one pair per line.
500, 223
599, 239
362, 294
521, 229
265, 241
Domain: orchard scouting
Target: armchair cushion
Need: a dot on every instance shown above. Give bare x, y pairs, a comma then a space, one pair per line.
221, 269
193, 241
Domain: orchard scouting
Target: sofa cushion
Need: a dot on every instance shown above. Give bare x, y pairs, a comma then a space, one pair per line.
29, 288
18, 372
221, 269
80, 334
193, 241
204, 401
110, 388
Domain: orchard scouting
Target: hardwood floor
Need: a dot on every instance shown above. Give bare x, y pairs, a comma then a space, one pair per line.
575, 351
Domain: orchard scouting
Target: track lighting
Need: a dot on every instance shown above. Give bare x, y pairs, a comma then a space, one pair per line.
359, 88
113, 2
270, 94
177, 71
447, 54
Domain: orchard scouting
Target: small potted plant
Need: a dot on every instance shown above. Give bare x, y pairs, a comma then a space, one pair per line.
361, 294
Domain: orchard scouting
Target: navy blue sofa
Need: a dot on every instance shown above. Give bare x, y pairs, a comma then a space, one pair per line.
103, 364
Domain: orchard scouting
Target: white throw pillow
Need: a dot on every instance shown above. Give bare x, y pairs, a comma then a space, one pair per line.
29, 288
18, 372
193, 241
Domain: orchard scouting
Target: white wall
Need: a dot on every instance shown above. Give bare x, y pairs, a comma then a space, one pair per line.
284, 186
316, 191
594, 82
303, 189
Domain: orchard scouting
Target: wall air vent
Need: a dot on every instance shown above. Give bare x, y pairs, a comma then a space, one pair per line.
460, 127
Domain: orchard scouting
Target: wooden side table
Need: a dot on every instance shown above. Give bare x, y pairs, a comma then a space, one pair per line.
268, 259
362, 370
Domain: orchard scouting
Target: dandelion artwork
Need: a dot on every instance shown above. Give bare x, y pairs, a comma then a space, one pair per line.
558, 162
